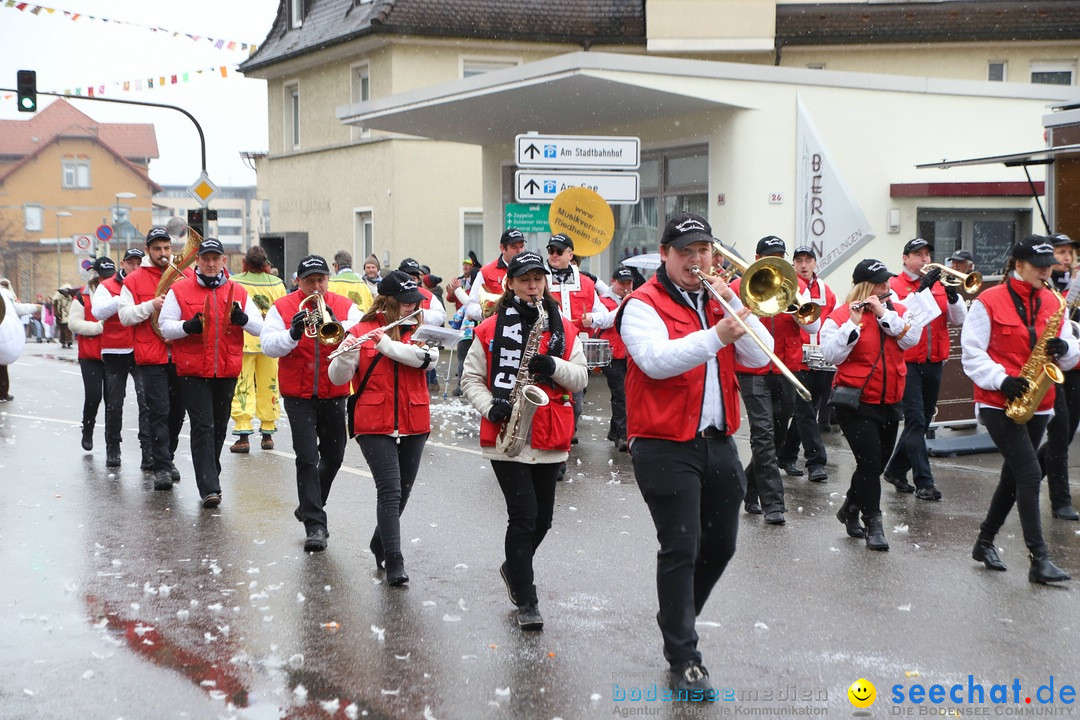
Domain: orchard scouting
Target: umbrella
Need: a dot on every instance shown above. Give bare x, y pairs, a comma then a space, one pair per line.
648, 261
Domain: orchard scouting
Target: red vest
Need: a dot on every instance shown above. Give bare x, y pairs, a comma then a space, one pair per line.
553, 424
618, 347
889, 376
89, 345
395, 398
149, 348
116, 335
827, 303
425, 303
303, 372
670, 409
1010, 343
787, 339
581, 301
933, 345
217, 352
492, 276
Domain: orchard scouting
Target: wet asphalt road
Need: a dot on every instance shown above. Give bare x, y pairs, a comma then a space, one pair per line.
122, 602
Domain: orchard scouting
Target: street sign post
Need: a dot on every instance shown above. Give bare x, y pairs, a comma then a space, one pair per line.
203, 189
539, 186
81, 245
578, 151
104, 233
528, 218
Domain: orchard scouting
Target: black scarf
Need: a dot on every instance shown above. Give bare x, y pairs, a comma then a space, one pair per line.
512, 327
213, 281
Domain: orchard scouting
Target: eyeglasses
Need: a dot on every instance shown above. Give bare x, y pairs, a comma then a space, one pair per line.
552, 250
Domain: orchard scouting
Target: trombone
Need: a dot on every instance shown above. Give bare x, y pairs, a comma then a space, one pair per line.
317, 325
769, 287
730, 311
970, 282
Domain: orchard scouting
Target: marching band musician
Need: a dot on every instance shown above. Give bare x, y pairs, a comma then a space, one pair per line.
315, 406
1004, 326
389, 414
165, 404
622, 284
87, 330
810, 418
681, 373
558, 368
866, 338
491, 276
924, 366
205, 317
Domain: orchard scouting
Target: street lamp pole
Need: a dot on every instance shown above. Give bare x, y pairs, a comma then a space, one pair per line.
116, 220
59, 214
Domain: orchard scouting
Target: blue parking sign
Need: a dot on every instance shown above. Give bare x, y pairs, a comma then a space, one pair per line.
549, 187
550, 151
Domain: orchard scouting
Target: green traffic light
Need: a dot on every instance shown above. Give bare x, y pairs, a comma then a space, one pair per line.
28, 103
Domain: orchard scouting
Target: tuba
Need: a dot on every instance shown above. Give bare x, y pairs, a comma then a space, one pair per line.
176, 268
1039, 370
525, 397
317, 323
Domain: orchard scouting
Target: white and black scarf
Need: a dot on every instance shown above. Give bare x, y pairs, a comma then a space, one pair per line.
512, 327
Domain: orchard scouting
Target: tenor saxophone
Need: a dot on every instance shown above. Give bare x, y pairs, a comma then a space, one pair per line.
525, 397
1039, 370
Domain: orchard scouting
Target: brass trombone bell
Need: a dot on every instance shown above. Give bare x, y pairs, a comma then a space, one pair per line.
970, 282
769, 286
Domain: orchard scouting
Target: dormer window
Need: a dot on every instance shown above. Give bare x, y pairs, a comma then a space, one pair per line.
296, 13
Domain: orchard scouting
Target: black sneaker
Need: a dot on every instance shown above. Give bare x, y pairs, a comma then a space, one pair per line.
529, 617
691, 683
112, 456
928, 493
88, 440
793, 470
818, 475
316, 540
147, 460
506, 581
752, 508
901, 484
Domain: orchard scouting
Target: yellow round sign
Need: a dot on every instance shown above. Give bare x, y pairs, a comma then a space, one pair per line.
585, 217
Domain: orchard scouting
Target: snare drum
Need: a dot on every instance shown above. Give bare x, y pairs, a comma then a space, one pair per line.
597, 352
814, 359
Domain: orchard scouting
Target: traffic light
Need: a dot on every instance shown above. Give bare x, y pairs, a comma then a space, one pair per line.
26, 85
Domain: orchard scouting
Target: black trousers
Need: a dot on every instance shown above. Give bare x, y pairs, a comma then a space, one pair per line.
394, 462
871, 434
804, 428
462, 350
1054, 454
769, 401
5, 382
117, 368
318, 436
1020, 477
165, 411
93, 378
693, 490
615, 373
530, 503
920, 400
209, 403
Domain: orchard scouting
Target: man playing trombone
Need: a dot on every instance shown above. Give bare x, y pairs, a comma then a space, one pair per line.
924, 362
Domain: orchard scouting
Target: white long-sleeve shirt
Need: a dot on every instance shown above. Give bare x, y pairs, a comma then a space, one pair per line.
78, 323
172, 325
343, 367
276, 340
837, 342
436, 314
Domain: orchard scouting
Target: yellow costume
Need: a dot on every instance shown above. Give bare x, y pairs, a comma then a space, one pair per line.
352, 286
257, 387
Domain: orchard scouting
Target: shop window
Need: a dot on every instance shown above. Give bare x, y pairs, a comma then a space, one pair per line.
986, 234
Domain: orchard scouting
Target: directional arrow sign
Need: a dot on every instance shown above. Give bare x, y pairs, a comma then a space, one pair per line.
537, 186
578, 151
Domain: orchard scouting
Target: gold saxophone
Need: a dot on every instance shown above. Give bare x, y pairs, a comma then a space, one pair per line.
525, 397
1039, 370
175, 272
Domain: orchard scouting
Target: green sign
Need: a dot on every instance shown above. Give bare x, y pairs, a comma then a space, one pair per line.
527, 218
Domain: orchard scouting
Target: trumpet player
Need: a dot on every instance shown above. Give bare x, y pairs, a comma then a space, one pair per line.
491, 276
924, 364
682, 347
389, 410
205, 317
314, 405
1007, 325
526, 323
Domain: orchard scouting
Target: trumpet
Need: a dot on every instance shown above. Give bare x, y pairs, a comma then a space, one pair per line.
970, 282
768, 287
355, 345
730, 311
327, 332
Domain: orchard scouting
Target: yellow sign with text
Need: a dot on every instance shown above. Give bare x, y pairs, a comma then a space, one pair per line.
586, 217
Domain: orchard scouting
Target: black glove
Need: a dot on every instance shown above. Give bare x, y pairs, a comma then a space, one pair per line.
1056, 347
929, 279
500, 411
951, 293
542, 365
1014, 387
238, 316
194, 325
297, 326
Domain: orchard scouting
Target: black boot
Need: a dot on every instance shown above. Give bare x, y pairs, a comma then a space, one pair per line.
395, 569
88, 437
112, 456
849, 515
875, 534
377, 550
987, 554
147, 459
1044, 571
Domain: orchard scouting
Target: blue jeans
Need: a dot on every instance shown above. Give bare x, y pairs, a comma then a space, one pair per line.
920, 400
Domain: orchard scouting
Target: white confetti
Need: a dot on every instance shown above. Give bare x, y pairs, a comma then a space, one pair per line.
595, 697
88, 674
832, 549
900, 529
165, 590
296, 661
403, 657
426, 603
149, 590
300, 597
300, 691
904, 608
326, 588
760, 626
351, 711
141, 630
461, 604
391, 692
707, 623
380, 633
461, 566
427, 713
218, 694
502, 692
330, 706
182, 615
451, 618
28, 691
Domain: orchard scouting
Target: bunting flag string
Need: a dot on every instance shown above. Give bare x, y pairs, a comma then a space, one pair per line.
146, 83
218, 43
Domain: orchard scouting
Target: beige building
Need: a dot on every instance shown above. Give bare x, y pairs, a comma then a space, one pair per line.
241, 216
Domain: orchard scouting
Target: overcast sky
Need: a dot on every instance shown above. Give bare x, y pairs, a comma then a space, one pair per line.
67, 54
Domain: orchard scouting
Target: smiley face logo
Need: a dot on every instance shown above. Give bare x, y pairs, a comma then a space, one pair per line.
862, 693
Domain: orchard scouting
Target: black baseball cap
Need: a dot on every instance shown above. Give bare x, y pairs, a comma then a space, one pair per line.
684, 229
211, 245
622, 275
104, 267
917, 244
401, 287
871, 271
158, 233
962, 256
1061, 239
511, 236
804, 250
1035, 249
523, 263
134, 253
411, 267
312, 265
771, 245
561, 242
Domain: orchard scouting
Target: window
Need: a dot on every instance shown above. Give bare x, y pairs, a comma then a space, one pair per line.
996, 71
292, 117
363, 235
987, 234
815, 66
478, 66
34, 217
224, 213
76, 173
296, 13
472, 233
360, 91
229, 230
1060, 73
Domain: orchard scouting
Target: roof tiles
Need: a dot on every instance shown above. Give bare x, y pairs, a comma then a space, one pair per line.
135, 141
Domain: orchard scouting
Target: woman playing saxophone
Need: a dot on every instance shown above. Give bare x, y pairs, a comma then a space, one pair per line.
1011, 343
505, 354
